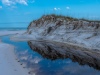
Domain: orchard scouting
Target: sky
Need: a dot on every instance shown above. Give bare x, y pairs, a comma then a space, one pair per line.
19, 13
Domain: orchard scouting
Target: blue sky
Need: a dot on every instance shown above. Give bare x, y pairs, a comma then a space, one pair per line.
18, 13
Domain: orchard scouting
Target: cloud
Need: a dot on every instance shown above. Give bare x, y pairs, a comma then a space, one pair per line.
57, 9
13, 2
67, 8
0, 7
22, 2
7, 2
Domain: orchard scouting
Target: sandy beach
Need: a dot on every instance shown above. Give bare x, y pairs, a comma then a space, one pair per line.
9, 64
6, 32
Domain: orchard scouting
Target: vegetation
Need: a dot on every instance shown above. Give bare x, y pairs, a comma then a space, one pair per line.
49, 17
59, 20
60, 16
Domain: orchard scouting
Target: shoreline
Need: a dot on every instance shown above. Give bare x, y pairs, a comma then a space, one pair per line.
24, 37
9, 64
7, 32
8, 61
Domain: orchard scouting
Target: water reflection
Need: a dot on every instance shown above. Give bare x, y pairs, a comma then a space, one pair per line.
53, 58
57, 59
55, 51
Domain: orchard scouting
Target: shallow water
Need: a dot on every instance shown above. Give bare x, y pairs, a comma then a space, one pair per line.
12, 29
49, 59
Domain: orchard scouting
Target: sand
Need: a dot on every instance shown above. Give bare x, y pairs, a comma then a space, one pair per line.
9, 64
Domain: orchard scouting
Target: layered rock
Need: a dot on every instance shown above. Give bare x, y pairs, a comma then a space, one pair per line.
79, 32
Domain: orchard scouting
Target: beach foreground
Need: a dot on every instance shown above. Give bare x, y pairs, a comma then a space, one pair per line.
9, 64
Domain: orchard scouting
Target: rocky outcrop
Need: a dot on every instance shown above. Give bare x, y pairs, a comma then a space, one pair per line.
66, 29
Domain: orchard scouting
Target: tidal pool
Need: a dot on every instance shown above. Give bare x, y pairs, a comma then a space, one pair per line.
44, 58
